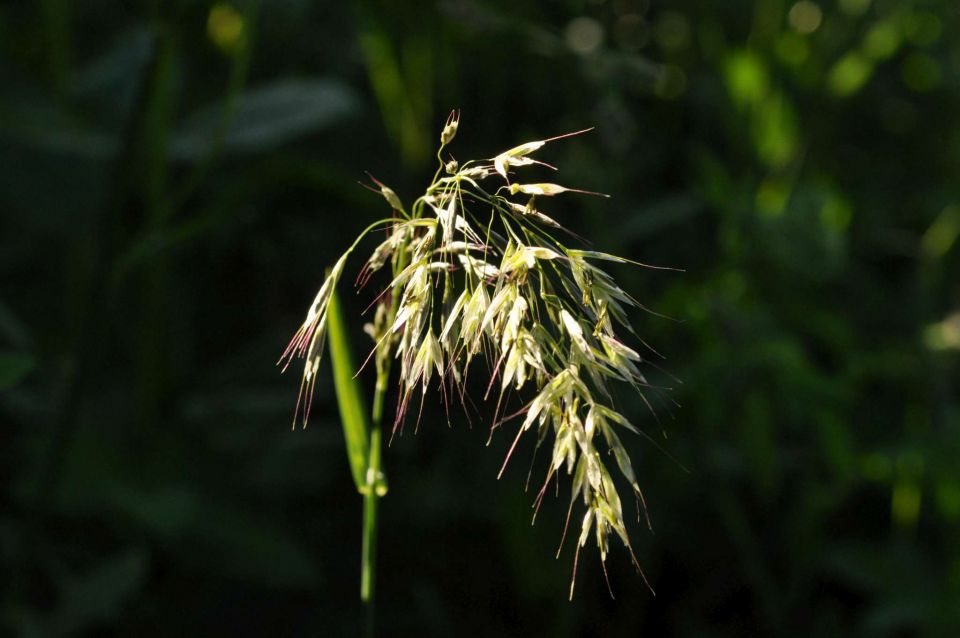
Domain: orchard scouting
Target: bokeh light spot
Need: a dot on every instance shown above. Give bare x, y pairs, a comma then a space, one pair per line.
672, 31
943, 233
849, 74
944, 335
225, 27
774, 129
772, 198
584, 35
747, 78
882, 40
905, 506
924, 28
854, 7
805, 16
836, 214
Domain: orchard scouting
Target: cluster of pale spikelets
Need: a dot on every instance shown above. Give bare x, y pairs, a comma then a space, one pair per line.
477, 272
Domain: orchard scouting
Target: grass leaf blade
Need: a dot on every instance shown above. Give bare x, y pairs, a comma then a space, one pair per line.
353, 411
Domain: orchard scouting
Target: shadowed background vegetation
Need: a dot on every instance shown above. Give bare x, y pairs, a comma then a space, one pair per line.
175, 177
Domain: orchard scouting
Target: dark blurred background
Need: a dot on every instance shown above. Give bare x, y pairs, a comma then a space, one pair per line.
175, 177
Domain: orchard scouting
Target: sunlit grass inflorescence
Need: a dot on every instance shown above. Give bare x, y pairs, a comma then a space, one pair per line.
477, 271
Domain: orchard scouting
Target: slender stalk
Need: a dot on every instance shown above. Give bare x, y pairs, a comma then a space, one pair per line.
370, 499
375, 490
376, 483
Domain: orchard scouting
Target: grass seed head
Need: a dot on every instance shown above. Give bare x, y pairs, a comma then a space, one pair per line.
477, 273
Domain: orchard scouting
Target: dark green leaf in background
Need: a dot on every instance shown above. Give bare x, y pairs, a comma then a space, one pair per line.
268, 117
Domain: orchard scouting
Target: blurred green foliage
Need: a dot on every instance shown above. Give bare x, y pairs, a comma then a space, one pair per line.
175, 177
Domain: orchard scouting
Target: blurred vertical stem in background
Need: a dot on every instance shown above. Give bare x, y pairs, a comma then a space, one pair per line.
363, 440
401, 79
234, 33
152, 362
165, 199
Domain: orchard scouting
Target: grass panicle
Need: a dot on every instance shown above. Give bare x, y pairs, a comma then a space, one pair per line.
477, 270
